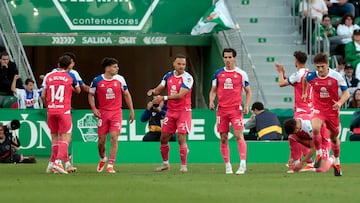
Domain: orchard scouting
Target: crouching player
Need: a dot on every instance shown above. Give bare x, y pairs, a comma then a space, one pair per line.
300, 132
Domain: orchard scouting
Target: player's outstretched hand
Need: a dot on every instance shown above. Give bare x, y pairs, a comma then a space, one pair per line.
150, 92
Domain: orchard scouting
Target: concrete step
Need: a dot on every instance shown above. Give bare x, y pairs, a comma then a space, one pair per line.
268, 29
254, 3
271, 39
276, 21
280, 49
259, 11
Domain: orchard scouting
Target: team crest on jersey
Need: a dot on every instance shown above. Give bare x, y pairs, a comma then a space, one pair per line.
324, 93
102, 85
329, 83
228, 84
173, 90
110, 93
235, 75
115, 84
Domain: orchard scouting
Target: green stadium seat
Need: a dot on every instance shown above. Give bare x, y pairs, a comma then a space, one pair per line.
357, 20
335, 20
8, 102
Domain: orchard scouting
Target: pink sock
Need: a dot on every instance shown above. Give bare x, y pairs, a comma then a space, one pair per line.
225, 151
54, 151
164, 149
111, 159
63, 151
336, 148
317, 141
242, 149
183, 153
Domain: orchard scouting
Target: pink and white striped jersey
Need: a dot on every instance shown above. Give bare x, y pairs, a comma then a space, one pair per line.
300, 106
58, 86
229, 85
325, 91
174, 83
109, 92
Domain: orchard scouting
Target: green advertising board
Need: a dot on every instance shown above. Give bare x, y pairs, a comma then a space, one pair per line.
108, 22
35, 136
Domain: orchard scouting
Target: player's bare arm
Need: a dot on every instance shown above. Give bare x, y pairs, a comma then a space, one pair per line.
305, 85
248, 95
157, 90
212, 96
344, 97
91, 99
282, 79
129, 103
181, 94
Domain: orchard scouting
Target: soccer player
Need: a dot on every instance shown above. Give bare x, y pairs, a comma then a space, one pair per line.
178, 116
227, 84
302, 109
109, 89
325, 84
56, 94
83, 86
300, 135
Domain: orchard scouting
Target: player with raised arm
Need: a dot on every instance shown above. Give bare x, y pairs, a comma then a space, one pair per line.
302, 109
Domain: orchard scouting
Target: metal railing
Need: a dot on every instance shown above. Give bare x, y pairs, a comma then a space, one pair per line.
233, 38
12, 42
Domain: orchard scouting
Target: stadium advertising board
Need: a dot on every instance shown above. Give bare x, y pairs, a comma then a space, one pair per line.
113, 39
35, 136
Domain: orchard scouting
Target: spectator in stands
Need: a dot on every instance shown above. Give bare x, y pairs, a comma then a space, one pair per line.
355, 99
266, 123
318, 9
8, 70
352, 52
341, 65
352, 82
154, 113
325, 29
28, 98
344, 33
355, 127
340, 7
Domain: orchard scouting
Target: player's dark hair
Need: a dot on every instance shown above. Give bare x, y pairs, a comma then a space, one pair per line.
72, 55
108, 62
321, 58
64, 61
179, 56
258, 106
4, 53
289, 126
27, 81
229, 50
300, 56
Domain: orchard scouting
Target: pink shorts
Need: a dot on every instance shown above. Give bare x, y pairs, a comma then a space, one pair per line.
110, 121
60, 123
179, 121
332, 122
226, 116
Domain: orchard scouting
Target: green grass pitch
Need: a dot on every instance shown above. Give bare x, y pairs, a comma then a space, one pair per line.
204, 183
